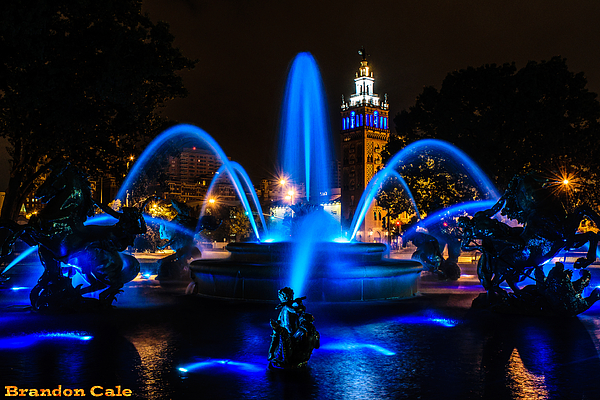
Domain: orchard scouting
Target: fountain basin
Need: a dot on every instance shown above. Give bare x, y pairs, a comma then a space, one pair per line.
339, 272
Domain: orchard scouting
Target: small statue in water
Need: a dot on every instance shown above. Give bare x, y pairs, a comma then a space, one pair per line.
294, 335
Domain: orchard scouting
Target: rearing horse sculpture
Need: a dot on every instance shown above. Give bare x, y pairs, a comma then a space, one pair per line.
512, 253
62, 239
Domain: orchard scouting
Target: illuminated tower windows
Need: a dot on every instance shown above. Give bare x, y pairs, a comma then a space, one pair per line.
364, 135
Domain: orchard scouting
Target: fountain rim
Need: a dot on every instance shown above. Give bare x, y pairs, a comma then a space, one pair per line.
256, 271
287, 245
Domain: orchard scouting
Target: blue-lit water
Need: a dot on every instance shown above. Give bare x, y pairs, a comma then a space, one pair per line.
430, 347
315, 229
305, 156
470, 208
305, 138
247, 189
26, 340
454, 160
20, 258
184, 135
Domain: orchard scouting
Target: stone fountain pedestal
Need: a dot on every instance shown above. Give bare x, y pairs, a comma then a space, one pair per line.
339, 272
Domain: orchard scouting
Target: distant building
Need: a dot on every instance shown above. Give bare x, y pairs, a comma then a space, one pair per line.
190, 175
193, 164
104, 188
365, 131
336, 174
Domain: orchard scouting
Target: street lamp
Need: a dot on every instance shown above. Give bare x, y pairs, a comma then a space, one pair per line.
566, 183
282, 184
211, 202
290, 193
285, 184
131, 158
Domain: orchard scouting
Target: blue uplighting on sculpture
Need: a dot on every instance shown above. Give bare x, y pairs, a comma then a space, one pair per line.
62, 237
512, 253
19, 258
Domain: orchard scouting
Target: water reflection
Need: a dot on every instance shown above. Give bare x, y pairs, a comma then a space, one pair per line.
432, 347
154, 344
353, 346
535, 358
31, 339
224, 365
524, 384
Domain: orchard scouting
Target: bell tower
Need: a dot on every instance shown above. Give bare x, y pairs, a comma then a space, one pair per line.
365, 131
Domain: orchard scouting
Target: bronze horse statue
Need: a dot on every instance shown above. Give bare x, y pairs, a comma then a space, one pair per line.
513, 253
65, 242
179, 234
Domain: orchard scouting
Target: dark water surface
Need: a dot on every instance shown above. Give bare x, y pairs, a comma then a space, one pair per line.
432, 346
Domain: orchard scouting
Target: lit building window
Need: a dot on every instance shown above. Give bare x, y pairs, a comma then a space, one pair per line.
352, 116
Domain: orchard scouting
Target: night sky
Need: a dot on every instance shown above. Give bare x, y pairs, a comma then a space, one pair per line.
245, 47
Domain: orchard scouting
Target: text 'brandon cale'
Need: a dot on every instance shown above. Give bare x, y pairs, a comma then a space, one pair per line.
95, 391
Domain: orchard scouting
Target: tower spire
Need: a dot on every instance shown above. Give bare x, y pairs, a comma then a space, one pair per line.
364, 85
363, 53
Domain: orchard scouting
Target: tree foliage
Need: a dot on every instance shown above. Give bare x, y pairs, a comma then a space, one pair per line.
393, 198
432, 184
508, 121
234, 222
81, 80
239, 223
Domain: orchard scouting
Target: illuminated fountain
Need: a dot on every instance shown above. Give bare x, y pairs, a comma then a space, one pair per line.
315, 262
312, 262
332, 270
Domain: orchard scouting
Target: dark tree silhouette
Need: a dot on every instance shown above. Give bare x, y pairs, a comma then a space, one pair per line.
539, 117
80, 81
